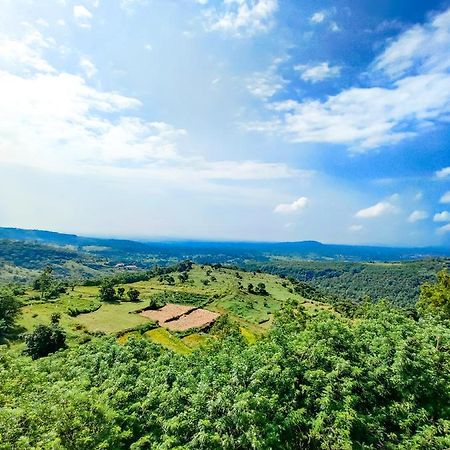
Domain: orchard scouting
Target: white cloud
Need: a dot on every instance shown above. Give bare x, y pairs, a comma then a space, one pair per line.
82, 16
444, 229
355, 228
377, 210
266, 84
88, 67
443, 173
317, 72
417, 215
364, 118
423, 48
334, 27
445, 198
25, 55
296, 205
56, 122
418, 196
443, 216
318, 17
242, 17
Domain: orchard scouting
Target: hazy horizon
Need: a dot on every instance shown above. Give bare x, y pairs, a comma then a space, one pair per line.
227, 120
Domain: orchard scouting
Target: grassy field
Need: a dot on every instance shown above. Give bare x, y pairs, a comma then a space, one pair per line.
222, 290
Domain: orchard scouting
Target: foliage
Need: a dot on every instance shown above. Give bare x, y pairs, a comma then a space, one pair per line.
47, 286
398, 282
74, 311
44, 340
186, 298
133, 294
321, 382
9, 311
107, 293
435, 298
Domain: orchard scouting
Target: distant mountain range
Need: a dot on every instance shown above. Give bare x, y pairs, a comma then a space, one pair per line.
221, 251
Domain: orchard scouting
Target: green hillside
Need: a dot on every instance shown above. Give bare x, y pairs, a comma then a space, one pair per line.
218, 289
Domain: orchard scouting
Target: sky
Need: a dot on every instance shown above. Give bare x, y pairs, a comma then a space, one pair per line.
260, 120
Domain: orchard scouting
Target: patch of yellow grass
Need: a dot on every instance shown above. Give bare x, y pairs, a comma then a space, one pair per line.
163, 337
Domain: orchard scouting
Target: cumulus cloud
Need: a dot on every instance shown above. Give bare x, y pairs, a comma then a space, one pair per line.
443, 216
443, 173
445, 198
417, 215
444, 229
377, 210
55, 121
242, 17
318, 17
317, 72
414, 98
296, 205
82, 16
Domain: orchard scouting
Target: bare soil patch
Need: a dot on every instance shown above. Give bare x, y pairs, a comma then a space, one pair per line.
167, 312
198, 318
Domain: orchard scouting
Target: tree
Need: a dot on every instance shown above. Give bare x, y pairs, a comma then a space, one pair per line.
9, 311
261, 289
183, 277
120, 291
44, 283
250, 288
133, 294
107, 293
44, 339
434, 299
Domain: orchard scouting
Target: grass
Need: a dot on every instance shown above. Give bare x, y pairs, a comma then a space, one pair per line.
249, 336
225, 292
112, 318
195, 340
163, 337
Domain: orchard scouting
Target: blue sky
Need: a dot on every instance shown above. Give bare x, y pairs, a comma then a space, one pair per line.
227, 119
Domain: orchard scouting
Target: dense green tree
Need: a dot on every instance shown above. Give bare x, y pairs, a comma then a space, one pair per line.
261, 289
133, 294
434, 298
44, 340
9, 311
316, 380
120, 291
107, 293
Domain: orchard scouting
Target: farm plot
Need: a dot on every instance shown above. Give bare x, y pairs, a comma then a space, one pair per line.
180, 317
167, 312
199, 318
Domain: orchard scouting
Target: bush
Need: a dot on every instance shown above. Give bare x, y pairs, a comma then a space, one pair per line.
44, 340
